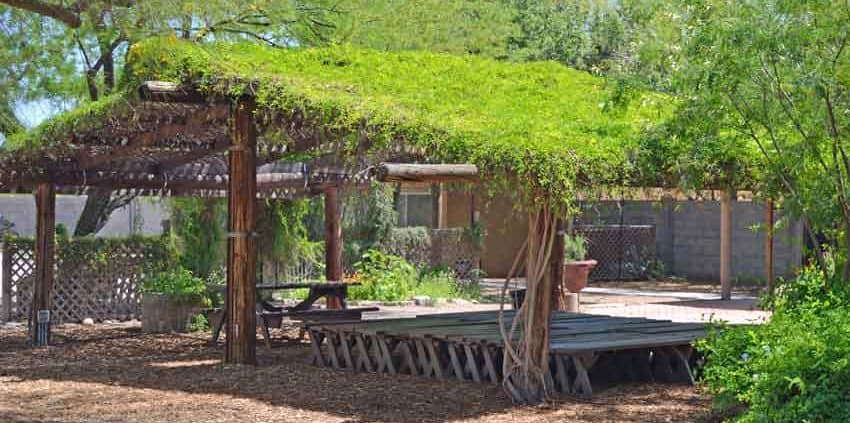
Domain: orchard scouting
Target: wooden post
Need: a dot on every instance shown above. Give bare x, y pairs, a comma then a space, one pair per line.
42, 293
726, 199
559, 299
768, 245
240, 346
7, 284
443, 211
333, 242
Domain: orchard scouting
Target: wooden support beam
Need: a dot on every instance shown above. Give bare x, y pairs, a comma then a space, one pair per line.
42, 293
169, 92
333, 242
240, 347
434, 173
768, 245
726, 199
443, 208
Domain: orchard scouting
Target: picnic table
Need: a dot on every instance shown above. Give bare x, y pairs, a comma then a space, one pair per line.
270, 313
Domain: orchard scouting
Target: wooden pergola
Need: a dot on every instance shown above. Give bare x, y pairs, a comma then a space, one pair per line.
174, 141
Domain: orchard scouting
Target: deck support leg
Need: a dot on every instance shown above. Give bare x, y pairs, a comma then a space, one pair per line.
561, 374
683, 354
489, 367
456, 366
346, 351
436, 365
42, 293
386, 357
332, 352
422, 356
363, 359
241, 326
316, 347
472, 363
582, 363
408, 357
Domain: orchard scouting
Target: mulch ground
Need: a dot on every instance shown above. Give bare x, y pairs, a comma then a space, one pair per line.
115, 373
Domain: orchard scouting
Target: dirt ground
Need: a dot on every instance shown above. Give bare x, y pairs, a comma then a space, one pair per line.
115, 373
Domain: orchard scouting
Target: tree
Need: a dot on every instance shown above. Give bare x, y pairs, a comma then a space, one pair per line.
769, 79
459, 27
632, 39
74, 51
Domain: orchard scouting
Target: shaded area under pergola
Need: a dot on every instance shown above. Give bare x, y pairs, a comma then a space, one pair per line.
180, 143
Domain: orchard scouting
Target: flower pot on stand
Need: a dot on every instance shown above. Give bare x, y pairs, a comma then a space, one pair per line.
576, 274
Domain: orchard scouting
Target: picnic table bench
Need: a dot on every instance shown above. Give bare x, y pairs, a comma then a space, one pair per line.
271, 315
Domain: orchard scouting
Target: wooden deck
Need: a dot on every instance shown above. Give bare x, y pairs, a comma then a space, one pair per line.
587, 351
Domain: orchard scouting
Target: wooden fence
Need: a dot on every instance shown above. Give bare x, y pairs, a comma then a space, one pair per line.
95, 278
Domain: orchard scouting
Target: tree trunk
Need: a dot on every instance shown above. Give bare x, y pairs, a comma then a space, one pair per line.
526, 360
99, 206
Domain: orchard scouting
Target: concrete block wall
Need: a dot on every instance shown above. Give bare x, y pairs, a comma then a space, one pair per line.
688, 236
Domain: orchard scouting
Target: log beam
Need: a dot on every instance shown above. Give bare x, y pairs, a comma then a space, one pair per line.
240, 346
333, 242
432, 173
42, 294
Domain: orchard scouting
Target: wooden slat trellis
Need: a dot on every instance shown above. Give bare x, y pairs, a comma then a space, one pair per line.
103, 285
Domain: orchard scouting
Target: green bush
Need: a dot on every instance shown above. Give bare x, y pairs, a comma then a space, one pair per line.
441, 282
794, 368
811, 290
412, 242
384, 277
179, 283
199, 323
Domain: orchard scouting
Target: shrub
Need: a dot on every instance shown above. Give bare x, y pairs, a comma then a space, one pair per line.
441, 282
199, 323
384, 277
179, 283
813, 289
412, 242
794, 368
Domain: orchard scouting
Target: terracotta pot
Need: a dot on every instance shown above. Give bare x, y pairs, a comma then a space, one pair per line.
576, 273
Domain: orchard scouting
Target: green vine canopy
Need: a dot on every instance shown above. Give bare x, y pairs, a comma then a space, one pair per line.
548, 126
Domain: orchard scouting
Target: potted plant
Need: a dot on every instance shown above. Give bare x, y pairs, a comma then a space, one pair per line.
576, 267
170, 299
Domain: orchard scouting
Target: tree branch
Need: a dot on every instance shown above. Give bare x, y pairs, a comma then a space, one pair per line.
68, 15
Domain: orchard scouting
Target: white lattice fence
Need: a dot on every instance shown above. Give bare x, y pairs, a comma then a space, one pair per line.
103, 284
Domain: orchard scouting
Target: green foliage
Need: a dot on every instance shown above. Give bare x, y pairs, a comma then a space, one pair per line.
93, 253
630, 39
197, 226
442, 283
812, 290
541, 122
367, 220
178, 283
767, 80
281, 232
383, 277
412, 242
199, 323
575, 247
793, 368
451, 26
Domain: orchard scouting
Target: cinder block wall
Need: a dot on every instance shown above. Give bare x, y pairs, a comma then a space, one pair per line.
688, 236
